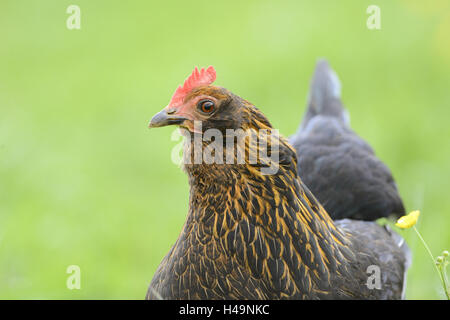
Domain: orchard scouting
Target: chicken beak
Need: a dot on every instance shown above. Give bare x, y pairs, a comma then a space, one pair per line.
165, 118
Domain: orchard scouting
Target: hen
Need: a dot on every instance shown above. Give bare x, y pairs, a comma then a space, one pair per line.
253, 232
339, 167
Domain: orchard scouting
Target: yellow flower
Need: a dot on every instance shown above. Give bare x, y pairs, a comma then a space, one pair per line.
409, 220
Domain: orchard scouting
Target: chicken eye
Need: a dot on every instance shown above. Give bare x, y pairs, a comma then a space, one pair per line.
206, 106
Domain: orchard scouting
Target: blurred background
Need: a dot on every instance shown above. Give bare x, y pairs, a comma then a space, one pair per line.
84, 182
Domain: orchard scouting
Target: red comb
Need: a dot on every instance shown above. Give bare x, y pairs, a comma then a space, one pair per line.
196, 79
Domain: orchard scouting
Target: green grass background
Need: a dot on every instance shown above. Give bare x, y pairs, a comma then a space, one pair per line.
84, 182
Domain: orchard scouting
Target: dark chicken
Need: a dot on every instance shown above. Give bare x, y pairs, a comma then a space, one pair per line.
339, 167
252, 235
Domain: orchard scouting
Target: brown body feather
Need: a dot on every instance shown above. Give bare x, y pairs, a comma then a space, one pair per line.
253, 236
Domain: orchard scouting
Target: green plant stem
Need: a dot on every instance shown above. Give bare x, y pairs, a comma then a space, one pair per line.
444, 279
441, 275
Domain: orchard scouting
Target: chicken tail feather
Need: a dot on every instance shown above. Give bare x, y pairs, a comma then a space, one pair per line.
325, 94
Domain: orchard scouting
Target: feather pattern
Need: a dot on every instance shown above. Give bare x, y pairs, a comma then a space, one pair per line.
249, 235
339, 167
